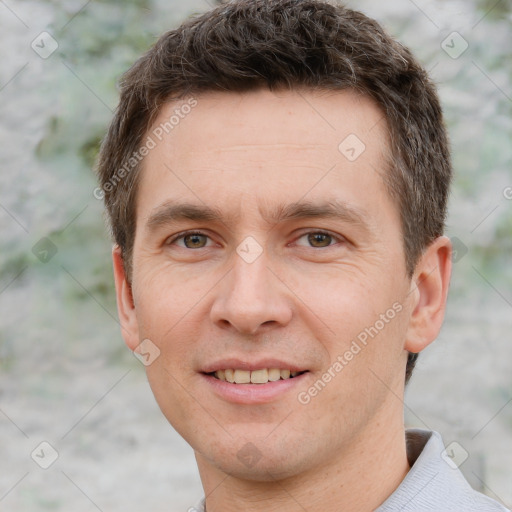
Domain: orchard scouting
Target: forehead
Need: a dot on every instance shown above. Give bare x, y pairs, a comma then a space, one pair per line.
219, 147
303, 117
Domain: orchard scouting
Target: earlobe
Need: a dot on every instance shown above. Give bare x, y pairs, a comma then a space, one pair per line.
430, 285
125, 304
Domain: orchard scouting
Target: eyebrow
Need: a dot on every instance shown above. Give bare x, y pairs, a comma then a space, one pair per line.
172, 212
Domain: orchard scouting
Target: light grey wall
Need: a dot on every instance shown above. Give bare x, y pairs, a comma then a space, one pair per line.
65, 374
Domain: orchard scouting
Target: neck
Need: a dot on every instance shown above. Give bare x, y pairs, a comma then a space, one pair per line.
358, 478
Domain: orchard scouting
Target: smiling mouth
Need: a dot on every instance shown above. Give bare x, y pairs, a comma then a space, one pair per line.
262, 376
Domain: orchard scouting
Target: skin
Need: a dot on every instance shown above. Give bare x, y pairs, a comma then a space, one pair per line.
303, 300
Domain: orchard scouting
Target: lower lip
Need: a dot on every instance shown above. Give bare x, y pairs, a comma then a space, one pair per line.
253, 393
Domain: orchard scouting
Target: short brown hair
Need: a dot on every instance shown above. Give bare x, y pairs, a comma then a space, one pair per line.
252, 44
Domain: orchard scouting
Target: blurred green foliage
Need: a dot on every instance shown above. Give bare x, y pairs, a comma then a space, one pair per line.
98, 43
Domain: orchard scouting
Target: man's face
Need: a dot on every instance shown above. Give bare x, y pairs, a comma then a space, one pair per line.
272, 283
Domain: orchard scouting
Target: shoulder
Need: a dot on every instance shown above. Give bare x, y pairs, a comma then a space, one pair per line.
434, 482
197, 508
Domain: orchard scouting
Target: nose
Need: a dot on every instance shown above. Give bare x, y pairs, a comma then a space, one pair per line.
251, 296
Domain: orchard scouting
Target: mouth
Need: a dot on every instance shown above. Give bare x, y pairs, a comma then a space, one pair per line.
244, 382
261, 376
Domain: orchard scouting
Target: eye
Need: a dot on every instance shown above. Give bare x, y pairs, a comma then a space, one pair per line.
319, 239
191, 240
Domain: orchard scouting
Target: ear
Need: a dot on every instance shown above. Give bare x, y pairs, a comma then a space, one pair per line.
429, 287
125, 305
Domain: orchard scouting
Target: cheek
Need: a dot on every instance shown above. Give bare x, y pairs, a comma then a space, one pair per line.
366, 361
345, 299
165, 297
361, 320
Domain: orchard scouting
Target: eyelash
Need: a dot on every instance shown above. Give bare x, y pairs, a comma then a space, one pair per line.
316, 232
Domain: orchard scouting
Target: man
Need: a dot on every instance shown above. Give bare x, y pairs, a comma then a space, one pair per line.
276, 178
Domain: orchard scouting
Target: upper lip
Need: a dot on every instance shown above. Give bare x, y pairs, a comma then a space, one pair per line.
255, 364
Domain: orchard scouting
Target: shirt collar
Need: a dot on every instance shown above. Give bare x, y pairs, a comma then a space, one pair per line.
434, 480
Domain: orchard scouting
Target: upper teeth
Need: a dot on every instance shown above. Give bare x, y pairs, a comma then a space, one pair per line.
255, 377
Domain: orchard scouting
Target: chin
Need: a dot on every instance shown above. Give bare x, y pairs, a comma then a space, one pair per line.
257, 461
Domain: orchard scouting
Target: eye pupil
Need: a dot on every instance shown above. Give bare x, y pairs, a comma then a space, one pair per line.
196, 240
315, 238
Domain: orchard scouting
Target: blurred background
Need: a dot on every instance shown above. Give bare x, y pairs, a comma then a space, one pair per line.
66, 377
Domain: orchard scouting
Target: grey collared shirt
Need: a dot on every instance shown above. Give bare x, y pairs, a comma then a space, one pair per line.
433, 484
